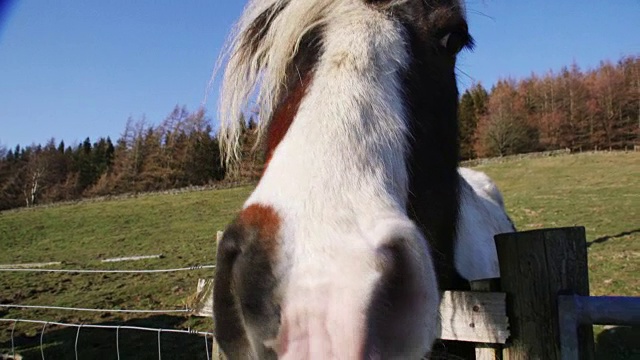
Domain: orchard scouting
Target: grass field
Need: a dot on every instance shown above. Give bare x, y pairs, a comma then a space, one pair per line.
599, 191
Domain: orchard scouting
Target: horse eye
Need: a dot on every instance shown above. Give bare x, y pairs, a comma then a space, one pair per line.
453, 42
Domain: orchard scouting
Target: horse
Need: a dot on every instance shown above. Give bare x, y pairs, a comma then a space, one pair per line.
482, 216
344, 246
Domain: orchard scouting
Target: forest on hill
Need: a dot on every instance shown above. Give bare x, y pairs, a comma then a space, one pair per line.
595, 109
579, 110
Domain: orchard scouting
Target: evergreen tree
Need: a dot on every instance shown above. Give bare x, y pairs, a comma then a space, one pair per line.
468, 123
110, 153
473, 105
86, 146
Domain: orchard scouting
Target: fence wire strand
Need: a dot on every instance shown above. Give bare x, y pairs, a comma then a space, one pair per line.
104, 271
13, 346
95, 326
167, 311
206, 346
75, 345
44, 327
118, 342
159, 347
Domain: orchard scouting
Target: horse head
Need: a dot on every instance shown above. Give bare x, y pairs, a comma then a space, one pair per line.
343, 246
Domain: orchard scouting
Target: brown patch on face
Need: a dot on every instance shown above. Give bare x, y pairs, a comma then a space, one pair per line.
284, 114
265, 221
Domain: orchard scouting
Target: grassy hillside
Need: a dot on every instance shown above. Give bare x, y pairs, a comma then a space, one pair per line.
180, 227
598, 191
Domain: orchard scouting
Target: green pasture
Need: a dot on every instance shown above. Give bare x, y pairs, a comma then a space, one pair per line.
598, 191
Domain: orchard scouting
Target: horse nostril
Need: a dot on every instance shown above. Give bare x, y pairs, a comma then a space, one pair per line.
252, 308
230, 246
396, 317
397, 270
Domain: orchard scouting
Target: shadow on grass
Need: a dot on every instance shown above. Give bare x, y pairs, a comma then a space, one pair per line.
618, 343
611, 237
59, 342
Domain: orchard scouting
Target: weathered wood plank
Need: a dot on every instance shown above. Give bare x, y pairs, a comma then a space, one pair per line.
485, 351
203, 301
474, 317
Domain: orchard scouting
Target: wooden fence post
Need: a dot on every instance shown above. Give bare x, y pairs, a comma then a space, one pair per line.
535, 267
217, 353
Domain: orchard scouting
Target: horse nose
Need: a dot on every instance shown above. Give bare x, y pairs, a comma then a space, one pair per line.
363, 301
320, 330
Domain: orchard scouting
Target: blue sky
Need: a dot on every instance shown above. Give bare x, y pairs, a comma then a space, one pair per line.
72, 69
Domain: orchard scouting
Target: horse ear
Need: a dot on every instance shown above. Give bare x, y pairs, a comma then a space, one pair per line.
233, 340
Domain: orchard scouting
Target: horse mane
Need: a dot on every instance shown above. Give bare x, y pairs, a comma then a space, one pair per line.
267, 51
261, 52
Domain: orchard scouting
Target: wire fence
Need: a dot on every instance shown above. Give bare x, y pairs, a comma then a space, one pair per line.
17, 268
117, 328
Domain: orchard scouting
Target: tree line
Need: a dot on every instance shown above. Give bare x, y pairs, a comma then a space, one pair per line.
596, 109
181, 151
579, 110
